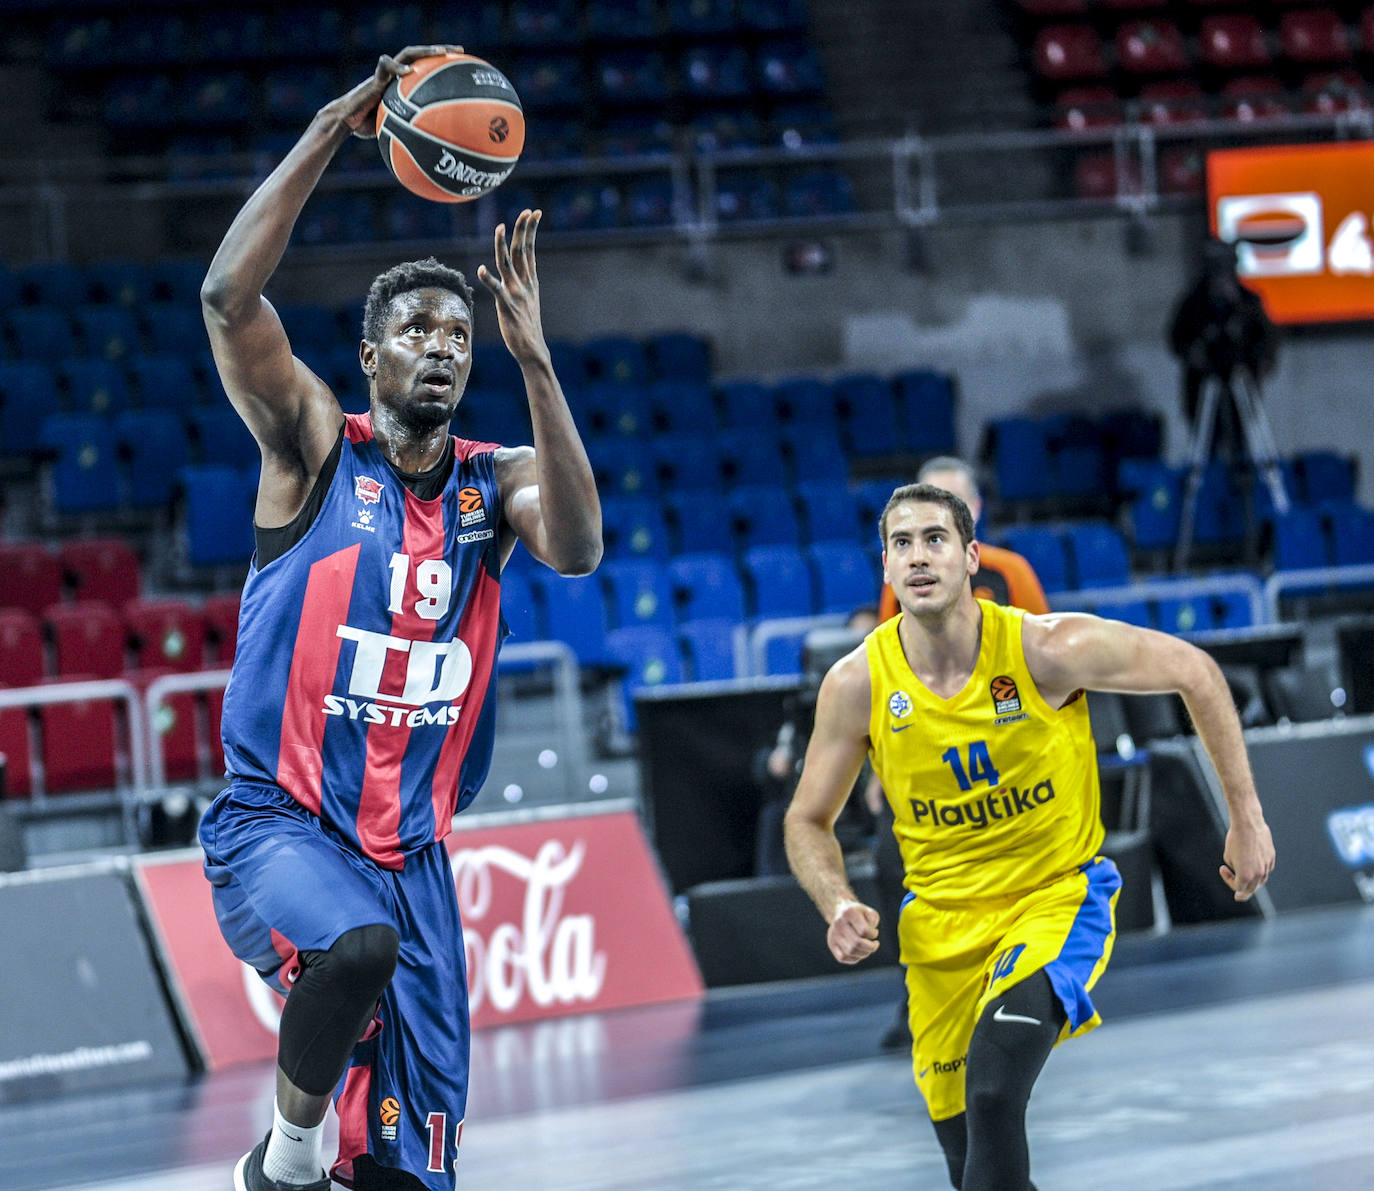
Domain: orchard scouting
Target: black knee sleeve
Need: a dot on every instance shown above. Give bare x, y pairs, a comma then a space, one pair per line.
331, 1004
1009, 1047
952, 1134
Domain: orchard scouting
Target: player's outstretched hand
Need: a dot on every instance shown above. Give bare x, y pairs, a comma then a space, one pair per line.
357, 107
853, 934
515, 286
1249, 858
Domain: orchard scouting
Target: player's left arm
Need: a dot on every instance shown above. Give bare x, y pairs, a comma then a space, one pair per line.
548, 495
1068, 652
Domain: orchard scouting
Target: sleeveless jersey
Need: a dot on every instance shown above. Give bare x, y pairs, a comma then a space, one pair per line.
362, 682
993, 791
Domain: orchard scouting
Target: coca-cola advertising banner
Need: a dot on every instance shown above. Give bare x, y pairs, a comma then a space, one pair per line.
569, 916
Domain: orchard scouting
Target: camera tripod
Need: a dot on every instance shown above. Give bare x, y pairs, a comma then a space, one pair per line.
1256, 436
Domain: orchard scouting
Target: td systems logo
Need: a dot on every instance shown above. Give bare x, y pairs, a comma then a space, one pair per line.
1276, 235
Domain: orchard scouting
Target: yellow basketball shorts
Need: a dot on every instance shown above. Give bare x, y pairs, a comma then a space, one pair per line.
959, 958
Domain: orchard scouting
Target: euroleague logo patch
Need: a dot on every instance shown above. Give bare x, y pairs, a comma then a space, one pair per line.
471, 508
1005, 697
390, 1113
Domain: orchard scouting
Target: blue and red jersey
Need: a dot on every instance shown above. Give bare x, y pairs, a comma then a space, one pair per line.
363, 677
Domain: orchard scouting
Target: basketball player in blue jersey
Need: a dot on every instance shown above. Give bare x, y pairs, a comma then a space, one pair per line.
974, 717
360, 712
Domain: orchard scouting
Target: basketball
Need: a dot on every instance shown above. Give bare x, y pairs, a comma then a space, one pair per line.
452, 129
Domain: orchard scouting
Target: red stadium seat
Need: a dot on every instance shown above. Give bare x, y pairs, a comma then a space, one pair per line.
1177, 101
1335, 92
1313, 35
21, 648
221, 614
1078, 108
1254, 97
1068, 52
1053, 8
30, 576
1096, 176
79, 745
88, 638
1153, 46
101, 569
176, 727
1182, 170
1367, 30
168, 633
17, 750
1233, 41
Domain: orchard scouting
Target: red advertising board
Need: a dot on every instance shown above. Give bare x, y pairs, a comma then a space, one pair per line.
559, 917
1299, 216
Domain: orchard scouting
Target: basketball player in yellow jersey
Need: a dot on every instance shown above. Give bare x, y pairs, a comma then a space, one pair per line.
974, 717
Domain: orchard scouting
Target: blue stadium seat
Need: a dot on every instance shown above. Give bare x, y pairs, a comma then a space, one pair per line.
1078, 469
622, 20
732, 128
574, 612
338, 217
118, 283
549, 81
1325, 476
778, 582
152, 444
540, 24
844, 575
31, 331
1262, 500
615, 359
714, 72
27, 393
1136, 612
925, 406
1132, 433
710, 649
110, 331
746, 196
1020, 458
830, 514
1300, 540
751, 457
773, 16
684, 406
298, 34
218, 514
699, 519
649, 202
1041, 547
633, 527
808, 401
58, 284
140, 101
870, 499
229, 35
622, 466
706, 586
569, 365
173, 280
85, 469
614, 409
312, 328
1156, 496
1098, 555
678, 356
636, 134
1231, 610
504, 420
813, 455
1192, 614
633, 76
746, 403
1352, 534
584, 205
788, 67
762, 515
297, 92
519, 607
818, 192
93, 387
802, 125
782, 655
686, 462
868, 418
695, 17
173, 325
223, 98
218, 435
345, 377
639, 591
651, 658
1219, 515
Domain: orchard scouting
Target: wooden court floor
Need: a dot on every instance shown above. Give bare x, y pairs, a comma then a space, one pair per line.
1233, 1057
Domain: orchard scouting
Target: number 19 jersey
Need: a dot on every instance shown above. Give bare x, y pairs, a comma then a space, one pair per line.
993, 791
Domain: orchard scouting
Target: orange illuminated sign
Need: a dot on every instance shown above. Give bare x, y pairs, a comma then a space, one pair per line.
1299, 217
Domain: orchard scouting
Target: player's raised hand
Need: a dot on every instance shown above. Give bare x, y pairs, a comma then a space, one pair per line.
853, 933
1249, 858
515, 286
358, 107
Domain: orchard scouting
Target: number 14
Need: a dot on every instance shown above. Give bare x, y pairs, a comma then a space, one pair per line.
980, 766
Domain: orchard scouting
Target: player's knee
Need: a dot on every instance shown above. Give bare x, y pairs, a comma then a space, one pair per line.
994, 1102
363, 960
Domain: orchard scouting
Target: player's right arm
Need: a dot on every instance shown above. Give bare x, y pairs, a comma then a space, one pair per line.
839, 744
289, 410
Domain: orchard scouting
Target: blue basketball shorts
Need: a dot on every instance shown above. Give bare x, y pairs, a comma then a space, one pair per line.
283, 883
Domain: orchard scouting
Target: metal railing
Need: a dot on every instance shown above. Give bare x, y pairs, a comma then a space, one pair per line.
1313, 582
911, 181
1165, 589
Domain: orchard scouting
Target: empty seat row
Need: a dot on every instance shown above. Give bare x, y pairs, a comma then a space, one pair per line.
35, 575
92, 639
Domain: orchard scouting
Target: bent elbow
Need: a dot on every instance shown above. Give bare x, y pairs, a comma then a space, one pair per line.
581, 561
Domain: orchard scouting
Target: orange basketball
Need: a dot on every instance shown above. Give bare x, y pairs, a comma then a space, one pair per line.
452, 129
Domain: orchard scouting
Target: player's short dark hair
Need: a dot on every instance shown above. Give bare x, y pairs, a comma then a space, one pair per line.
928, 494
430, 273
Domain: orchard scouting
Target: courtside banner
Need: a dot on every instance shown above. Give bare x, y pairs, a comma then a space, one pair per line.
1299, 216
84, 1007
559, 917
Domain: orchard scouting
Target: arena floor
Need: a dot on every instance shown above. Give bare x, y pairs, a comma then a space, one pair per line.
1237, 1056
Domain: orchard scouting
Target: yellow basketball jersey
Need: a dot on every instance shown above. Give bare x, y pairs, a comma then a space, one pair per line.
993, 791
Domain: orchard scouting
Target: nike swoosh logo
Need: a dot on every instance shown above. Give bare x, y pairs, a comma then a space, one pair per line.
922, 1074
902, 727
1003, 1015
292, 1136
